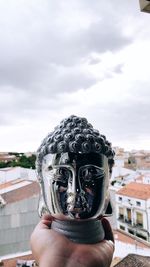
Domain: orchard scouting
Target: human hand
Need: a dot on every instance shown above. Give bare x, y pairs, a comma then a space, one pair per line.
52, 249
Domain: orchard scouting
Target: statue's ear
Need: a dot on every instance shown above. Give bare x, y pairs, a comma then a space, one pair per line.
109, 209
42, 209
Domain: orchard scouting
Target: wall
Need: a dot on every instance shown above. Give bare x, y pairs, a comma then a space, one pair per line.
131, 203
10, 174
17, 221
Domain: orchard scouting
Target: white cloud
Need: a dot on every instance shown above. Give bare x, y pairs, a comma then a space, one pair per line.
78, 57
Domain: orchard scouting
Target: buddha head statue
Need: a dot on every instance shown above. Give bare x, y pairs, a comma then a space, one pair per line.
74, 164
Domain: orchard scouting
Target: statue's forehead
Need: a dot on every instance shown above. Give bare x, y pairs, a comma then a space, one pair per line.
70, 158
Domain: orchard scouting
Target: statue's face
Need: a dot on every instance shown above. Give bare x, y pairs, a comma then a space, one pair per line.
75, 185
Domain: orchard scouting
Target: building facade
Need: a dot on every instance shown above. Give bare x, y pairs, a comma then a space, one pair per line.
18, 216
133, 210
12, 173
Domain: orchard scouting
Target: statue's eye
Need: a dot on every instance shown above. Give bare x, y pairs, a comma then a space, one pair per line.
89, 173
62, 175
86, 175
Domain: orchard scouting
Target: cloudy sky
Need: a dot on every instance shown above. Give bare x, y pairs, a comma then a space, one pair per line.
81, 57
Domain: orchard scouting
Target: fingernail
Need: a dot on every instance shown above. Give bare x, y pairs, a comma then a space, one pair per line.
111, 242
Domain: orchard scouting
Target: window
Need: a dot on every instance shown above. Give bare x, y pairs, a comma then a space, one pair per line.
130, 231
121, 213
128, 219
2, 202
138, 203
139, 219
120, 198
141, 236
122, 227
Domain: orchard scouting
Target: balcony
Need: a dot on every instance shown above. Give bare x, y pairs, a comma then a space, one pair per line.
121, 218
124, 219
128, 221
140, 225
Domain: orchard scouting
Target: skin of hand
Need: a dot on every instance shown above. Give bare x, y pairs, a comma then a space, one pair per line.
51, 249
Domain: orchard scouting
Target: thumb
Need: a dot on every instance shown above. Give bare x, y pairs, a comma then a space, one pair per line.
107, 229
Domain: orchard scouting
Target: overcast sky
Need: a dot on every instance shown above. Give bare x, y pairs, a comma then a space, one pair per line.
81, 57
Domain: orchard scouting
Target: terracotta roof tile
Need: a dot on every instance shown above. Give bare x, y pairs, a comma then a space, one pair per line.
133, 260
136, 190
12, 262
9, 183
21, 193
125, 238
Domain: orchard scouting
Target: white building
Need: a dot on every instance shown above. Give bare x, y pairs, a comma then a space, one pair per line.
143, 178
12, 173
121, 176
133, 210
18, 215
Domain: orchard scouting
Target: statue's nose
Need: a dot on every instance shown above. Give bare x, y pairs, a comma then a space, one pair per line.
74, 195
78, 201
78, 187
75, 185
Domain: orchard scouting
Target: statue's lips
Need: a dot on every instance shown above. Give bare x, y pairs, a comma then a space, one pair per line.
77, 210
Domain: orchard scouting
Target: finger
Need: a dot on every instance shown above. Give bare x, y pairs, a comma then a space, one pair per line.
45, 222
107, 230
108, 251
103, 252
47, 217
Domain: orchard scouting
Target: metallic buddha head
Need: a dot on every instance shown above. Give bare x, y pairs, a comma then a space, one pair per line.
74, 164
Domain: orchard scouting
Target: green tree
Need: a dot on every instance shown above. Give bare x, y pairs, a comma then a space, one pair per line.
22, 161
3, 164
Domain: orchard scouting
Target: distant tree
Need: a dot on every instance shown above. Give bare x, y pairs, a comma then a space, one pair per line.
27, 162
3, 164
22, 161
32, 160
12, 163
